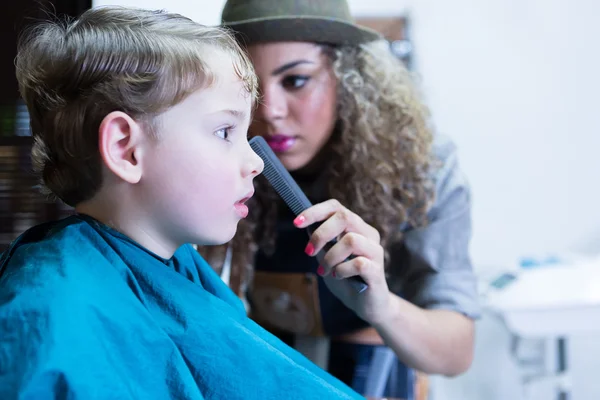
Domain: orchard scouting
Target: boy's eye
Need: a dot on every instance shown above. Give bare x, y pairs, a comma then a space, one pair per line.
295, 81
223, 133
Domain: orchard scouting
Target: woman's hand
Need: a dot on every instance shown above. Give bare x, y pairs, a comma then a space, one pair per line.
412, 332
355, 238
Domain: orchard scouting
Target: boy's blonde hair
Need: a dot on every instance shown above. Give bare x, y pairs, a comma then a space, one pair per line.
72, 74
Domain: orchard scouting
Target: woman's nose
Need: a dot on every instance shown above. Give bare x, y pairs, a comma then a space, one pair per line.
272, 105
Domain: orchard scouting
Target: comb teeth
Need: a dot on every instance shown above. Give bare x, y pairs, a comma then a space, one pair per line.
290, 192
279, 177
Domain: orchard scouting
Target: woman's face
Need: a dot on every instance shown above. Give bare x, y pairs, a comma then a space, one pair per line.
297, 110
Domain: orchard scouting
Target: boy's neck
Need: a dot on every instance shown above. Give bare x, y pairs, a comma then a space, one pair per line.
130, 221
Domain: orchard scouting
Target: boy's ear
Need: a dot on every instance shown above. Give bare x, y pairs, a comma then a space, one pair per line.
120, 140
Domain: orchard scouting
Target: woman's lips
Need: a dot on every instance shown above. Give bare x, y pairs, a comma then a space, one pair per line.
280, 143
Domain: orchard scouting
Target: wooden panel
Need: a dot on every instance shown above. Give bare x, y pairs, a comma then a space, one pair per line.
15, 16
396, 31
21, 203
392, 28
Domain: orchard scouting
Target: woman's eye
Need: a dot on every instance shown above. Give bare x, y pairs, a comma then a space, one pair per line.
295, 81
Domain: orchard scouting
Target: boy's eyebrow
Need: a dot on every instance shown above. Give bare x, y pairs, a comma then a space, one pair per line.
236, 113
289, 65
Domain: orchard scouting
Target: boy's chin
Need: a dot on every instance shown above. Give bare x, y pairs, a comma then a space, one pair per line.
220, 239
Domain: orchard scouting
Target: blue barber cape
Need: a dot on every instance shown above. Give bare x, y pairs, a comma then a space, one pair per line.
86, 313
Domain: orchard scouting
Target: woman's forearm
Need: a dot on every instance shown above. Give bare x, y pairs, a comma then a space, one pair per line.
431, 341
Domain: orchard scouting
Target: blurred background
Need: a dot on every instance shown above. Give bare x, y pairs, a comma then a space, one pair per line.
516, 84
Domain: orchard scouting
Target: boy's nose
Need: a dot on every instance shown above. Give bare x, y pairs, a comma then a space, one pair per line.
254, 166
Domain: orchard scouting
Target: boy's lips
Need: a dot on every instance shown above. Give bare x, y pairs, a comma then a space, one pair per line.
240, 207
241, 210
280, 143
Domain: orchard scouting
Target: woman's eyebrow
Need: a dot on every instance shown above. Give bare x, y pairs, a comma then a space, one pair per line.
289, 65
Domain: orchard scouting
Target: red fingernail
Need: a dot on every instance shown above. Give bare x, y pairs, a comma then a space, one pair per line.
299, 220
310, 249
321, 271
333, 274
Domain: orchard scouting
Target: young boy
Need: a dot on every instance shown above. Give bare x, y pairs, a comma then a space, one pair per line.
140, 122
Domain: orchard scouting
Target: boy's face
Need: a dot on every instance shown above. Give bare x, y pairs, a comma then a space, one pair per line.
202, 165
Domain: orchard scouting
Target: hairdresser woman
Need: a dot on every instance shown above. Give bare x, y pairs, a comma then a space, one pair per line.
344, 118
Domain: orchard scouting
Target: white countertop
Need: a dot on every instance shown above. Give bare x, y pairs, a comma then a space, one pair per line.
550, 300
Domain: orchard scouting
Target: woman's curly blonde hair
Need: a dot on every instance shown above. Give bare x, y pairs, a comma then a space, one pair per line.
381, 163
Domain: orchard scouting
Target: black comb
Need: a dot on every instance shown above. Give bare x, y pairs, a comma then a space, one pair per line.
290, 192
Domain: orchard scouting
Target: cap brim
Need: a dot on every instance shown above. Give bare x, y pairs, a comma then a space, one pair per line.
301, 29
